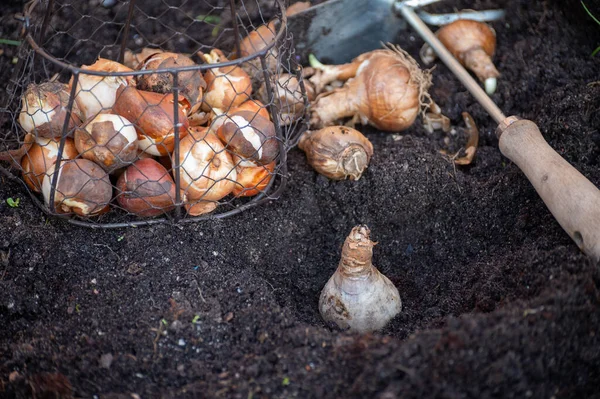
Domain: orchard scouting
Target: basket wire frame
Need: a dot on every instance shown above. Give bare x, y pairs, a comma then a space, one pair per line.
228, 22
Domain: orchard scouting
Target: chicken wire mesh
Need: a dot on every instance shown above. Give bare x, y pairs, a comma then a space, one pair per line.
193, 122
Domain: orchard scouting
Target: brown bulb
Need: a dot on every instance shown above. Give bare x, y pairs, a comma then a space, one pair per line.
40, 157
226, 87
152, 115
95, 93
109, 140
146, 189
82, 187
388, 90
192, 83
252, 181
473, 44
44, 110
337, 152
206, 169
250, 136
288, 97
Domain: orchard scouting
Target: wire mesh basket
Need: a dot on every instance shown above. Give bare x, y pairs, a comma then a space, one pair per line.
125, 113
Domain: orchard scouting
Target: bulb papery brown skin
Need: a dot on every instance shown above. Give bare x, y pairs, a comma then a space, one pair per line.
83, 188
337, 152
207, 171
256, 41
192, 83
288, 97
153, 117
252, 180
254, 106
146, 189
358, 297
44, 110
132, 60
226, 87
387, 91
250, 136
109, 140
96, 94
40, 157
472, 43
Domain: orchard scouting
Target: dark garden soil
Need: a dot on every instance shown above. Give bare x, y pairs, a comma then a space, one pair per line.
497, 300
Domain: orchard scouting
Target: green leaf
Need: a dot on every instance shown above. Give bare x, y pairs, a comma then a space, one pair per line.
13, 203
10, 42
590, 13
209, 19
595, 51
195, 319
286, 381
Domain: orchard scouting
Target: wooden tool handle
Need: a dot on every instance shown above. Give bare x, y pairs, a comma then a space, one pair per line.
573, 200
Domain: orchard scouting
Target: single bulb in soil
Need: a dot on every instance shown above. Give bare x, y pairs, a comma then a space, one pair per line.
337, 152
384, 88
473, 44
358, 297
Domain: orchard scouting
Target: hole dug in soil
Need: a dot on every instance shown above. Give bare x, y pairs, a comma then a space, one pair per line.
497, 300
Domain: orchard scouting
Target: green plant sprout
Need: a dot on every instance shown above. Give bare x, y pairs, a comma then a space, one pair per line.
596, 20
211, 19
13, 203
10, 42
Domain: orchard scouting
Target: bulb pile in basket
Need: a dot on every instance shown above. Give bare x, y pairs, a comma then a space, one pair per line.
124, 126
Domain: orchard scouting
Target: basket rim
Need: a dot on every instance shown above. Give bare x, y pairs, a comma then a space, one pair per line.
76, 70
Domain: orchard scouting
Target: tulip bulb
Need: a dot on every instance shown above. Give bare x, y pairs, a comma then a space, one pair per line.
473, 44
44, 110
387, 90
227, 87
82, 188
358, 297
250, 136
288, 97
337, 152
109, 140
40, 157
251, 181
256, 41
146, 189
97, 94
133, 60
253, 106
192, 83
207, 171
153, 117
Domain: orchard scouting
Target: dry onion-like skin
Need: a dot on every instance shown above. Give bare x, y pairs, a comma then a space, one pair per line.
82, 187
337, 152
226, 87
40, 157
358, 297
386, 89
191, 83
109, 140
473, 44
96, 94
44, 110
207, 171
153, 116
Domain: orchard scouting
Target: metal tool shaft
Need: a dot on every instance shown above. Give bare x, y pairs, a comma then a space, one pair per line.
459, 71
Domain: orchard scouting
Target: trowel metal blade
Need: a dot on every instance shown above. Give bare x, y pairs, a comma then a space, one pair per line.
339, 30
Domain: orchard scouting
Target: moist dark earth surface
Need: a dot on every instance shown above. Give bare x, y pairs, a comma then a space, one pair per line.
497, 299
